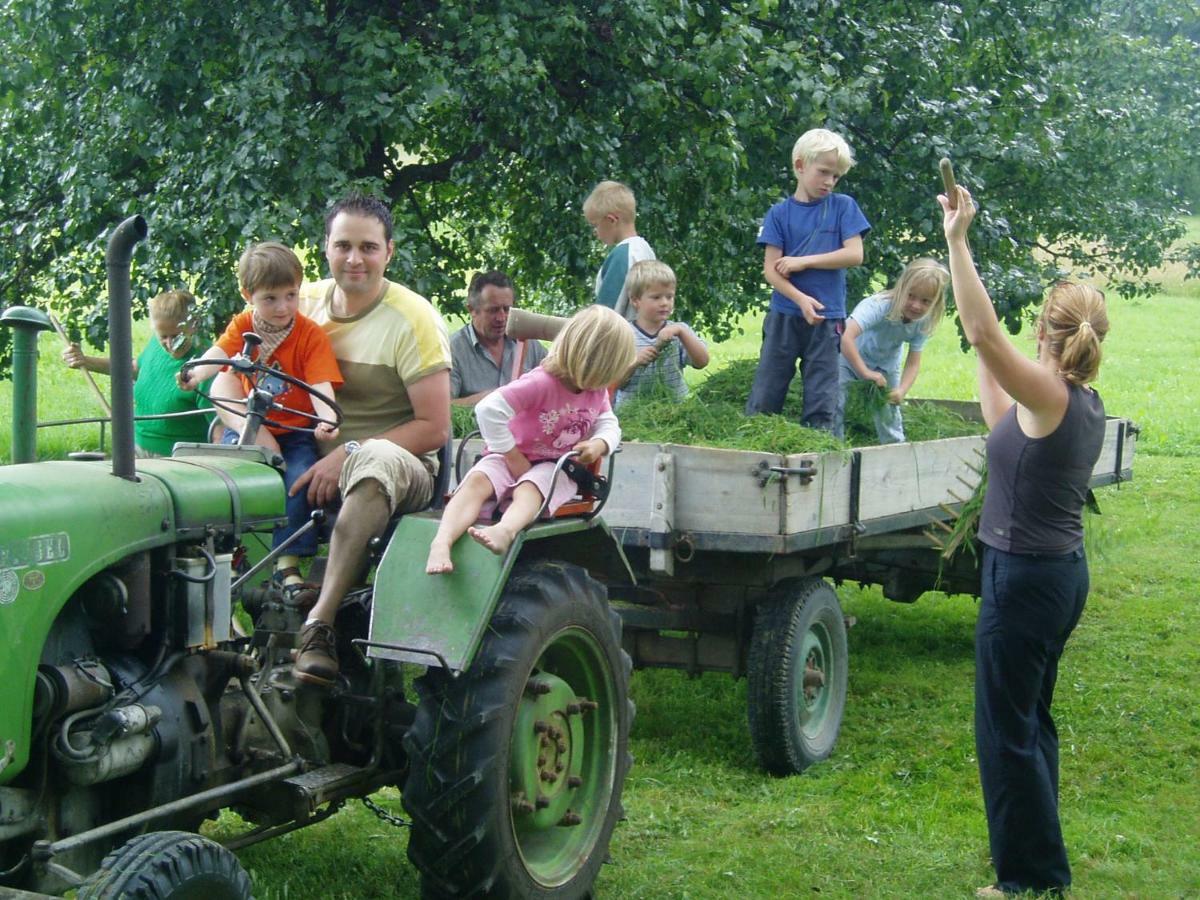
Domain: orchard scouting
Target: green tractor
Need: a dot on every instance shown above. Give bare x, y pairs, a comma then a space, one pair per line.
135, 708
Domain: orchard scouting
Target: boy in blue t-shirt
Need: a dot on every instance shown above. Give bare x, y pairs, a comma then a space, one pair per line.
810, 239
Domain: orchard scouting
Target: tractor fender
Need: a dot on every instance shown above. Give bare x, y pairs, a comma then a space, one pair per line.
440, 620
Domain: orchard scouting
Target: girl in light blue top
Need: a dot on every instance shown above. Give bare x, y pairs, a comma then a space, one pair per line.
876, 332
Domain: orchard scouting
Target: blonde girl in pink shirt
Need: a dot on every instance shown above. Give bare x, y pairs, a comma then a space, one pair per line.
529, 423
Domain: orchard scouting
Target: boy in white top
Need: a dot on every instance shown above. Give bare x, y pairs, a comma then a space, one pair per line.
611, 210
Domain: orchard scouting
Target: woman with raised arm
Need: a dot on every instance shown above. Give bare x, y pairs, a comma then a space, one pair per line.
1046, 430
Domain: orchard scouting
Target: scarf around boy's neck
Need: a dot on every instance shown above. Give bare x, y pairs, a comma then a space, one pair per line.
272, 335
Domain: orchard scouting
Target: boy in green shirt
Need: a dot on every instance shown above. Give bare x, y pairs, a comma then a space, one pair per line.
154, 390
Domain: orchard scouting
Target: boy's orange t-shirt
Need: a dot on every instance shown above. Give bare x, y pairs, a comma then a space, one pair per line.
306, 354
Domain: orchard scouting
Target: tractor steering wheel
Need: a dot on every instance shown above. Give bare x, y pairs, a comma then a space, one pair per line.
266, 383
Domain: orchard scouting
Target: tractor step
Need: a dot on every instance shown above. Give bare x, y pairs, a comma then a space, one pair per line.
313, 789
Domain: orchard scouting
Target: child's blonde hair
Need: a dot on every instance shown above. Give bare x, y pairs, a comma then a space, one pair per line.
269, 265
1074, 320
816, 141
921, 271
611, 198
175, 305
647, 274
594, 349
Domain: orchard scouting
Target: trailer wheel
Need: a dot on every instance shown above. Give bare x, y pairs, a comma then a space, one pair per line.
516, 766
797, 675
168, 865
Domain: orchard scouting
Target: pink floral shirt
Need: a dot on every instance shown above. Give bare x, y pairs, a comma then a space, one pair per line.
544, 419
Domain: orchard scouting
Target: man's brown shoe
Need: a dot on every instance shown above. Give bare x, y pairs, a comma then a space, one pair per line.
316, 660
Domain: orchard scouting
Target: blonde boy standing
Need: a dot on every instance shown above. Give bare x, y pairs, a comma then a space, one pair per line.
611, 210
809, 241
663, 346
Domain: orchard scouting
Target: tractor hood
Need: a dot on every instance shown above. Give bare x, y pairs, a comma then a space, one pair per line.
99, 515
220, 491
62, 522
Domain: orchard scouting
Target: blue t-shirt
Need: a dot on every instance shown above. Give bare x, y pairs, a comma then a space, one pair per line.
881, 340
804, 229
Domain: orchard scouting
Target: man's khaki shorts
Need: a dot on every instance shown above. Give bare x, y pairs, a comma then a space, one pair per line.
406, 479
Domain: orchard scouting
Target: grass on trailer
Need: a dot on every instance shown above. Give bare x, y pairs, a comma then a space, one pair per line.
896, 811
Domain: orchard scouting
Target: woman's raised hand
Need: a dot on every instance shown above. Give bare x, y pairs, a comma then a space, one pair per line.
956, 219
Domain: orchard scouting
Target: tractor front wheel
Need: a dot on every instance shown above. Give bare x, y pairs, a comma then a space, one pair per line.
168, 865
517, 765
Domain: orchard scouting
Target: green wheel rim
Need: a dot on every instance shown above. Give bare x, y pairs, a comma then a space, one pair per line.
563, 761
812, 673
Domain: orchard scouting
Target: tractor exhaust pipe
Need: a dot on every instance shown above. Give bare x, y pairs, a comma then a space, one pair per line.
120, 338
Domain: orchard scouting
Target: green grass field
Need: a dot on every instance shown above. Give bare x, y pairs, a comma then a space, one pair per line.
896, 811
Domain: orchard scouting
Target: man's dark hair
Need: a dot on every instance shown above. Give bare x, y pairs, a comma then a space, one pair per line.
360, 205
495, 277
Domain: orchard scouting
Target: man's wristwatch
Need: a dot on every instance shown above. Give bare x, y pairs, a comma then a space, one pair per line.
351, 447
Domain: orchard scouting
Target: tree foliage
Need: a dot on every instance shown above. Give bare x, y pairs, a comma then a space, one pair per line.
486, 123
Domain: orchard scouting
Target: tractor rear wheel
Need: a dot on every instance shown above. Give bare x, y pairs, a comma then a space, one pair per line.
168, 865
797, 675
517, 765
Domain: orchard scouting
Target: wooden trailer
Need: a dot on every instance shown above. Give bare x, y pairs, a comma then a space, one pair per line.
733, 554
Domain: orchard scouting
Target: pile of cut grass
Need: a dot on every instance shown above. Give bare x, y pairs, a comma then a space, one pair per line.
712, 416
462, 421
717, 424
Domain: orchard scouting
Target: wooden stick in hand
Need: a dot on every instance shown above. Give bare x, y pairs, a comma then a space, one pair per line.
92, 381
949, 182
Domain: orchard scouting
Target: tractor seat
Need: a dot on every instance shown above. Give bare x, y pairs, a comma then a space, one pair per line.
592, 485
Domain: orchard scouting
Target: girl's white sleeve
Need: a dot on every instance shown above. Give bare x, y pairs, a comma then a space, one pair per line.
608, 429
493, 415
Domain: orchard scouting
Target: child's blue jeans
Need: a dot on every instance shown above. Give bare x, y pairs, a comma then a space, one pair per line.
786, 339
299, 451
889, 424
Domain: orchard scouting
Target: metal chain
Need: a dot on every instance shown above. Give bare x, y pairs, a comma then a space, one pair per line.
384, 815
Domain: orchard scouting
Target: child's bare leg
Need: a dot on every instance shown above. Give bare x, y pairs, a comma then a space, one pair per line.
527, 500
461, 510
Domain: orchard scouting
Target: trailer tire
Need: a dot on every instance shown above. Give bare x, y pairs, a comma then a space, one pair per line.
486, 816
168, 865
797, 673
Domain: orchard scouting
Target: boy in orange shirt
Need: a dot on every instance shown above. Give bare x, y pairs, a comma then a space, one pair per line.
270, 276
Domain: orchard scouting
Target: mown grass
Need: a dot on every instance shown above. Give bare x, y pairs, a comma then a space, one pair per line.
896, 811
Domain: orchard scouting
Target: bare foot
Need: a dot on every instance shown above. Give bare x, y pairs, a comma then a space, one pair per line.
439, 560
496, 538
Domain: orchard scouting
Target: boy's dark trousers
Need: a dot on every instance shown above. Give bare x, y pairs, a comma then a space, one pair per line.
299, 452
1029, 607
786, 339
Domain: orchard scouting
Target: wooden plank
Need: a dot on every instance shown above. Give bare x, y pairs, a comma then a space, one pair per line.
630, 500
825, 501
715, 490
901, 478
718, 491
1118, 442
662, 512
